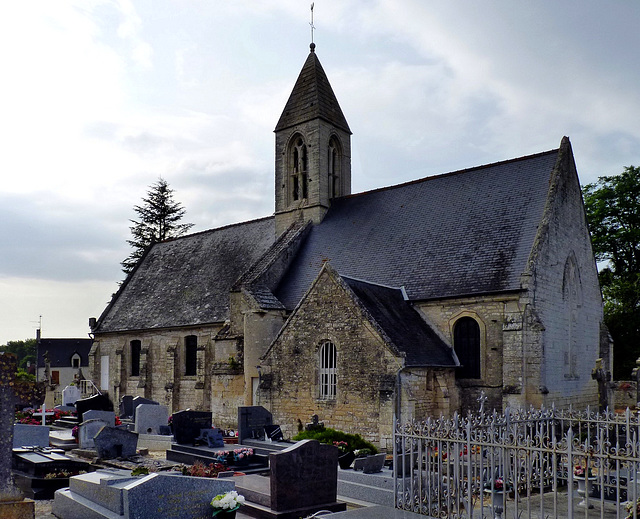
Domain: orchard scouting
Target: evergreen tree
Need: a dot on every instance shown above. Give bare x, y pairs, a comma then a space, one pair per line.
613, 212
158, 219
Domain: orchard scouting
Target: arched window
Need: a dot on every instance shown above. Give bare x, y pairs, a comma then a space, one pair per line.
299, 170
333, 161
328, 376
135, 358
75, 360
190, 355
572, 301
466, 343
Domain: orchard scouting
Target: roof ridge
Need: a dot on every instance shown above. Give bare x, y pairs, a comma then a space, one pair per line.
370, 282
452, 173
224, 227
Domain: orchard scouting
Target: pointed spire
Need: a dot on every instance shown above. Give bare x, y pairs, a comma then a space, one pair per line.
311, 98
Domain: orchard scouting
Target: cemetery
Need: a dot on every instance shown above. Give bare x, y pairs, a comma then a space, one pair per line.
538, 463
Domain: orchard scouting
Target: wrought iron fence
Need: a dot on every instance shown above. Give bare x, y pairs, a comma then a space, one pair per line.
544, 463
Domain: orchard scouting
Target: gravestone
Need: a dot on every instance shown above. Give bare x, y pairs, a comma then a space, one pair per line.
150, 417
111, 443
213, 437
87, 431
126, 406
30, 435
273, 433
187, 425
108, 417
305, 474
251, 422
370, 464
155, 496
11, 502
70, 395
138, 400
97, 402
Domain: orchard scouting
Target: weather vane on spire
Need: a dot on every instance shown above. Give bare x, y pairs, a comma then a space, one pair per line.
311, 23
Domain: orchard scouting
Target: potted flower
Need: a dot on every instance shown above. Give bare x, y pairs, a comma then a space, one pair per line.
345, 454
225, 505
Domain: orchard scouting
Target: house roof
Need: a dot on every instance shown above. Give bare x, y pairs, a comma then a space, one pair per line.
311, 98
462, 233
186, 281
61, 350
402, 324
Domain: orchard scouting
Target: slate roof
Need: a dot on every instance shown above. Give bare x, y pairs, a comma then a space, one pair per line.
462, 233
312, 97
61, 351
186, 281
402, 324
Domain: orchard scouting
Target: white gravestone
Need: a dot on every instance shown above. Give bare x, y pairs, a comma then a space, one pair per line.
70, 394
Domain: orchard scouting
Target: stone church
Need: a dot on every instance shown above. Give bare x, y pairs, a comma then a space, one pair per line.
398, 303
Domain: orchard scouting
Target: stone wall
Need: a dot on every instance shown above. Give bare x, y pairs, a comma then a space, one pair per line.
563, 289
367, 370
493, 314
218, 384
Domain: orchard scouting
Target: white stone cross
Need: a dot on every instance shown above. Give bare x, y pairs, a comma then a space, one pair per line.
44, 414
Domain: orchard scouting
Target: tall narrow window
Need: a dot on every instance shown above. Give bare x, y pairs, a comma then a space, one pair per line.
190, 355
135, 358
333, 161
328, 376
299, 187
466, 342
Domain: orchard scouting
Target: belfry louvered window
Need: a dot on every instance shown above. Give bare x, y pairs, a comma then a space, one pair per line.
466, 342
328, 375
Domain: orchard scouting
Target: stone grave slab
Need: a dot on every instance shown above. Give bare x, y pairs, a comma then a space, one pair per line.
111, 442
187, 425
150, 417
97, 402
165, 495
304, 474
87, 431
370, 464
33, 471
138, 400
273, 433
70, 395
108, 417
30, 435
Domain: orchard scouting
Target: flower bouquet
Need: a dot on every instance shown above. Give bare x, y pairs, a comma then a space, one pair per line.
582, 472
226, 503
498, 485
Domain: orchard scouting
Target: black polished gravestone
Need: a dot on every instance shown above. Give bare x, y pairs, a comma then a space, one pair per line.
187, 425
95, 402
126, 406
252, 421
40, 472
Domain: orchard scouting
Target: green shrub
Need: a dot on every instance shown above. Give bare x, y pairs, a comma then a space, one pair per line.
327, 435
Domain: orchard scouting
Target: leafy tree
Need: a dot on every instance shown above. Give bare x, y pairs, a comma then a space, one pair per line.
158, 219
24, 351
613, 212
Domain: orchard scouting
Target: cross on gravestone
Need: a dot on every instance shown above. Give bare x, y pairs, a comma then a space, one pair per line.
44, 413
482, 399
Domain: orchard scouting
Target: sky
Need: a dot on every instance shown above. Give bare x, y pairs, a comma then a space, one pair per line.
100, 98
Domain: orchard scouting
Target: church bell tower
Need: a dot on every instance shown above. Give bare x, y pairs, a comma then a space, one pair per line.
313, 149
